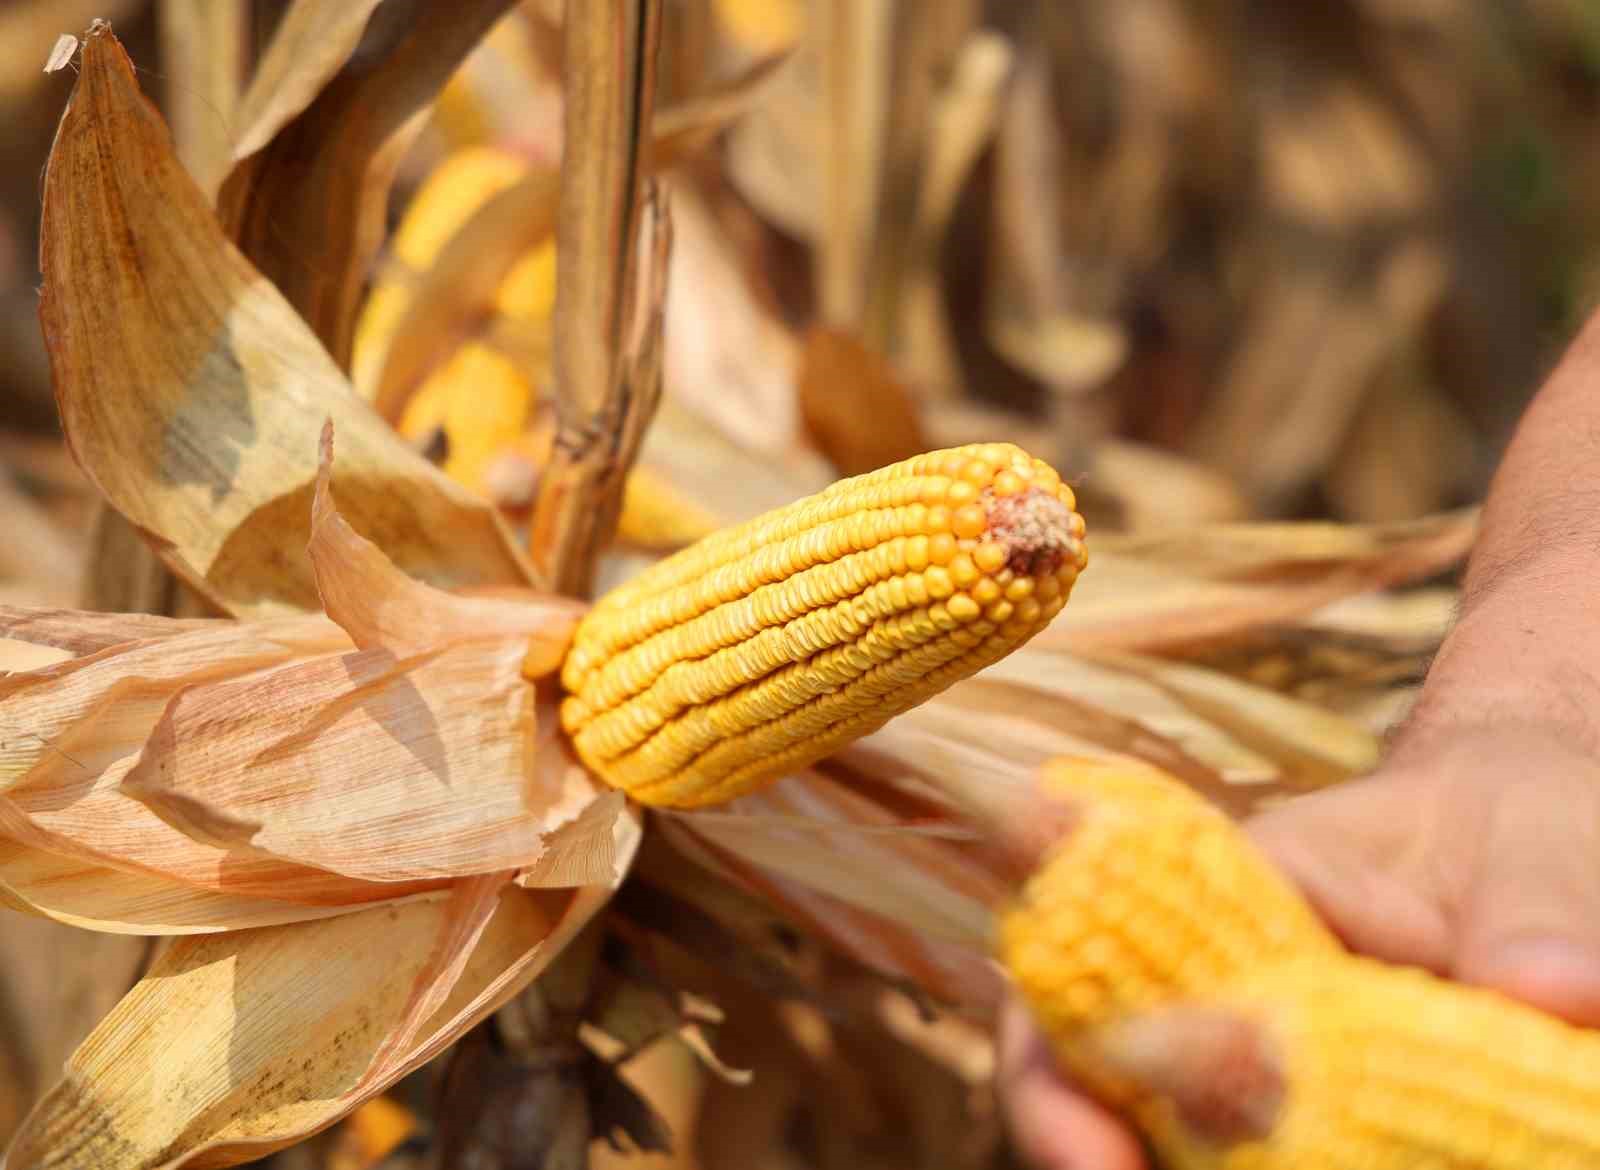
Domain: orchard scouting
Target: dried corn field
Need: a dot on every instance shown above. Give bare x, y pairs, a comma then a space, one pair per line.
403, 409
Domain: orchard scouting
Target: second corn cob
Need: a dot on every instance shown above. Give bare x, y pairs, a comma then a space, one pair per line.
1187, 984
767, 645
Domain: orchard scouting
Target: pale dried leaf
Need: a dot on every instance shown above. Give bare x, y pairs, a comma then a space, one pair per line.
961, 124
55, 985
1315, 341
1157, 491
920, 883
590, 849
84, 712
191, 393
320, 187
366, 764
148, 873
686, 128
203, 44
382, 608
238, 1044
1390, 553
80, 632
1163, 592
729, 359
127, 901
721, 474
848, 913
312, 42
23, 656
775, 156
856, 40
1313, 747
1083, 682
472, 904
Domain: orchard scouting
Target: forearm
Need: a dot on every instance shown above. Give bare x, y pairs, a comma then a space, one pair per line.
1527, 647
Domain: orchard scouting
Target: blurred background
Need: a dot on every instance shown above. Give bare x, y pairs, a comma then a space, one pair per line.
1217, 260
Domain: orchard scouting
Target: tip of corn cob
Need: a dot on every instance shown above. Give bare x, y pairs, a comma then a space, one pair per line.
766, 646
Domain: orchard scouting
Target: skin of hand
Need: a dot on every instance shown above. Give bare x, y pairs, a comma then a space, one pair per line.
1479, 861
1474, 851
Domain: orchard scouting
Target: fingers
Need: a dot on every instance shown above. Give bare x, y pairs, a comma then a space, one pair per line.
1530, 921
1054, 1127
1479, 861
1364, 857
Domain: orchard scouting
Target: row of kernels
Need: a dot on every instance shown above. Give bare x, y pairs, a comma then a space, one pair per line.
690, 787
769, 565
780, 690
687, 681
768, 605
635, 667
862, 694
801, 531
797, 704
823, 511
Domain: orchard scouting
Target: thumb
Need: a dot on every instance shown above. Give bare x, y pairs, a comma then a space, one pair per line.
1529, 921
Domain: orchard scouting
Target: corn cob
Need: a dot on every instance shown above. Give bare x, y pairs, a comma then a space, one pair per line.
1185, 983
767, 645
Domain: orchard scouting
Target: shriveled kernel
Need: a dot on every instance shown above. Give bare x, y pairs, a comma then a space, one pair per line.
962, 607
1028, 609
969, 521
768, 645
1045, 588
989, 556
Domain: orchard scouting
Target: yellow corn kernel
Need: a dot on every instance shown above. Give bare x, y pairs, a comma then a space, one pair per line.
656, 515
765, 646
1183, 981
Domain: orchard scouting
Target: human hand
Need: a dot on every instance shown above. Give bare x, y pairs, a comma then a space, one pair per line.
1476, 856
